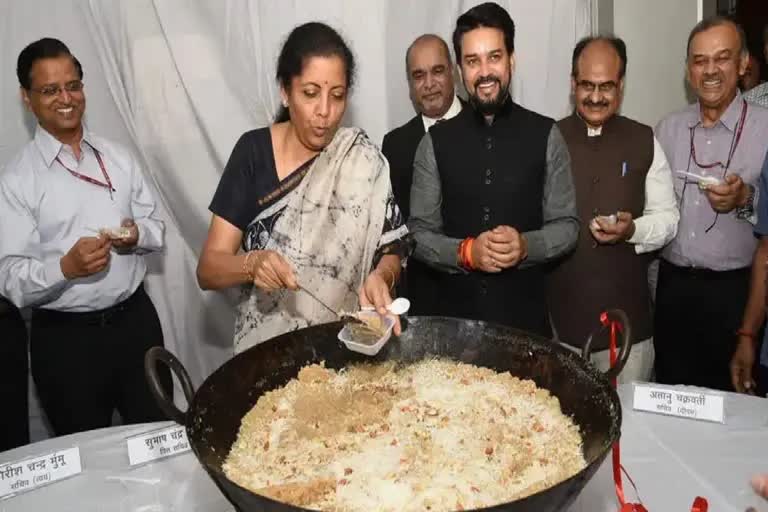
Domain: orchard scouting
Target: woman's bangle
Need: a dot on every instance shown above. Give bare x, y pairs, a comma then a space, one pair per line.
392, 284
247, 270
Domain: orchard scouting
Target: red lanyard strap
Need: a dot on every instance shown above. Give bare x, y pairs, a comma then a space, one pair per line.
107, 182
734, 142
699, 505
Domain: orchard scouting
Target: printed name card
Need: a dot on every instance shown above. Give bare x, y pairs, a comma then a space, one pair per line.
697, 405
28, 474
157, 444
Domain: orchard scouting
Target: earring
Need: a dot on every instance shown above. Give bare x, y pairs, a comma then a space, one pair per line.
285, 104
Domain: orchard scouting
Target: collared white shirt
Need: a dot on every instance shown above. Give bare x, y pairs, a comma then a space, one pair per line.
658, 224
453, 111
44, 210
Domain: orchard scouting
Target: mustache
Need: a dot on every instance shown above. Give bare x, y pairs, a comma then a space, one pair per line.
488, 79
590, 103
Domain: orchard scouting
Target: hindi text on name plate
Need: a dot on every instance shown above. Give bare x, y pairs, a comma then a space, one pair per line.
697, 405
28, 474
157, 444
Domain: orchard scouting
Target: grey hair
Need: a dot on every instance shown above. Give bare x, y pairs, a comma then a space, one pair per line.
717, 21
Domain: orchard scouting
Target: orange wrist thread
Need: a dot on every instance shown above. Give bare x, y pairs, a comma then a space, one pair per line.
465, 254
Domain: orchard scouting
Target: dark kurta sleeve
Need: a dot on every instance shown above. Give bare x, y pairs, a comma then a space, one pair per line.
394, 236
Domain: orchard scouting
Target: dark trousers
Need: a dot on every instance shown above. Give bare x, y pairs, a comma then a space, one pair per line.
14, 367
86, 365
697, 315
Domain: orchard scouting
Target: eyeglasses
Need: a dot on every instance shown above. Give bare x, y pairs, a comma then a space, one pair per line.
712, 165
53, 90
603, 87
735, 139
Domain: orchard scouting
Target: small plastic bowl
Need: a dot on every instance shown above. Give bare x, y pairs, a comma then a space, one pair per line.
368, 349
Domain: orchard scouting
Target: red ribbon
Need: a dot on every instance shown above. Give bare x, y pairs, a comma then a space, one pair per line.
699, 504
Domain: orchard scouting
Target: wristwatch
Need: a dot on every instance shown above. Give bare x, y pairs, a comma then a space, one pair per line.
746, 211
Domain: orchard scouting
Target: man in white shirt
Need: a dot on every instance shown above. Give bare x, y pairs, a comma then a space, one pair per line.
430, 72
92, 322
625, 196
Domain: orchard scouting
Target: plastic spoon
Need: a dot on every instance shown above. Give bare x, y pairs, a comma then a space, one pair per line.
399, 306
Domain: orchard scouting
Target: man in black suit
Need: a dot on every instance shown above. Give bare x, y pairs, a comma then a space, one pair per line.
430, 81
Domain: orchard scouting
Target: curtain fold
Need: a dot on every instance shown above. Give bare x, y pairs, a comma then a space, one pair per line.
178, 81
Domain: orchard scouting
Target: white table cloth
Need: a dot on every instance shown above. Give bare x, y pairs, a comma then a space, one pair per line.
671, 460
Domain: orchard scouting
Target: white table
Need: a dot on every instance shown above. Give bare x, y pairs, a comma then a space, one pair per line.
671, 460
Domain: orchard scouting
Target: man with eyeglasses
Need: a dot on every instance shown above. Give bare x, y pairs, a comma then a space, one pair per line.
624, 196
716, 149
75, 218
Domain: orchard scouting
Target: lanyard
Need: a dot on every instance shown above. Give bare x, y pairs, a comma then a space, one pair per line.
107, 183
734, 143
739, 128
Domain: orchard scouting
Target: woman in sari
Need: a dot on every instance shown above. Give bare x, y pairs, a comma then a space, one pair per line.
309, 202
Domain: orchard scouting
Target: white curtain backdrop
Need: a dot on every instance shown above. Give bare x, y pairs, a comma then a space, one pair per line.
179, 80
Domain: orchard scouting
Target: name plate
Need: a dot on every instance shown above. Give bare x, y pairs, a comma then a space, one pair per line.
696, 405
157, 444
28, 474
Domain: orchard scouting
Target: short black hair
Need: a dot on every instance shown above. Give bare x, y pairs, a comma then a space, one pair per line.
616, 42
313, 39
490, 15
717, 21
46, 48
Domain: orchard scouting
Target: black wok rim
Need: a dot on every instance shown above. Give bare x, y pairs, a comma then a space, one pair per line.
604, 385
